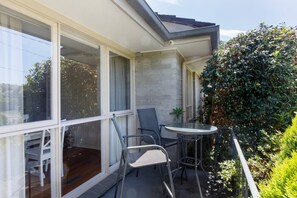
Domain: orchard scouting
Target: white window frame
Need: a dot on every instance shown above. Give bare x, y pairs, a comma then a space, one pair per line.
132, 71
83, 38
35, 126
188, 101
53, 124
130, 112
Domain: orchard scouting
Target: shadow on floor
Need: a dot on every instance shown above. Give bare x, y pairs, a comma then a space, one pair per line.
148, 185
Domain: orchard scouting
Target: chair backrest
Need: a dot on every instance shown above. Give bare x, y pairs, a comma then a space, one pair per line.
45, 146
63, 130
115, 123
148, 120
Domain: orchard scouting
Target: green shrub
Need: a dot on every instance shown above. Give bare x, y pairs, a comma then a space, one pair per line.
283, 182
289, 141
227, 172
267, 151
250, 78
250, 84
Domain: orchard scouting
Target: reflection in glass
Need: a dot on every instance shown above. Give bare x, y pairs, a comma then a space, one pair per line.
119, 68
12, 166
37, 152
80, 79
25, 62
114, 142
81, 154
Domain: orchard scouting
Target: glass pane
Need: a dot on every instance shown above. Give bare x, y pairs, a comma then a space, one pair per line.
114, 142
25, 165
37, 163
25, 63
119, 68
115, 148
12, 167
80, 79
81, 154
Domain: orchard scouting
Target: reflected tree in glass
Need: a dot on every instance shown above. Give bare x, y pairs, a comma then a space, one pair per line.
37, 92
79, 90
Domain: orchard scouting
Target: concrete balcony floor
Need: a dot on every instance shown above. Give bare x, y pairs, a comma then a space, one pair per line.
148, 185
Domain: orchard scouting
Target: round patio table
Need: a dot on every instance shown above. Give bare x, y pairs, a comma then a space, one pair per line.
190, 132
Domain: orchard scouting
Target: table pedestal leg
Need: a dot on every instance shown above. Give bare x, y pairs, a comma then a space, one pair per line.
196, 164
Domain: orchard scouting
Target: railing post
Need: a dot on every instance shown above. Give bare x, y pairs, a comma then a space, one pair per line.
242, 182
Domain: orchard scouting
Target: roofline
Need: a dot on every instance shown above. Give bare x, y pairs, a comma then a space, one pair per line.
145, 11
183, 21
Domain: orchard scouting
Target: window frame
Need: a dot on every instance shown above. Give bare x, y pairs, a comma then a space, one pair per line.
77, 36
52, 123
131, 60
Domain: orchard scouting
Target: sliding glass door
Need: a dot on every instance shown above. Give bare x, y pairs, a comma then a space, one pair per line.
80, 99
120, 100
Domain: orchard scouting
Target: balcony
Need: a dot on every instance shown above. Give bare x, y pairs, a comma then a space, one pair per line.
148, 183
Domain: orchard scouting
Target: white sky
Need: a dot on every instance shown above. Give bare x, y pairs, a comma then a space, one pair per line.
233, 16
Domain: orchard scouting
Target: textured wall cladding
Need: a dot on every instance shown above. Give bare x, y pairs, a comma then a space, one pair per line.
158, 82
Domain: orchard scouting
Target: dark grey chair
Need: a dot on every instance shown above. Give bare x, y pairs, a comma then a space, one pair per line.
140, 156
149, 125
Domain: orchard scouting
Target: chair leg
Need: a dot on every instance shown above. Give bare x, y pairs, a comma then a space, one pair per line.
170, 189
171, 180
137, 172
62, 168
123, 179
41, 176
46, 165
161, 177
118, 176
182, 174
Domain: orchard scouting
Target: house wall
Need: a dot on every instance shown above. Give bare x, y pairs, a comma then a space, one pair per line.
158, 83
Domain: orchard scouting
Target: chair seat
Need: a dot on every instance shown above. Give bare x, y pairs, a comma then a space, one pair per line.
150, 157
34, 153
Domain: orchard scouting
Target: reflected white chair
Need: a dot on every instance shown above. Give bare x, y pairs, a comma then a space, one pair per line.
64, 129
38, 155
140, 156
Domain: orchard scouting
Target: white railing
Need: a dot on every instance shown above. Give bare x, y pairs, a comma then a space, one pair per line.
250, 181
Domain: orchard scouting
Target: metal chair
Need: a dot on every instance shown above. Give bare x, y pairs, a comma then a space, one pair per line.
140, 156
149, 125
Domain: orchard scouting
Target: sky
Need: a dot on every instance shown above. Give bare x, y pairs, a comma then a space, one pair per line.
233, 16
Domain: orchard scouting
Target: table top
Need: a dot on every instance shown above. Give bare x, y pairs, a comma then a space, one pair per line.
191, 128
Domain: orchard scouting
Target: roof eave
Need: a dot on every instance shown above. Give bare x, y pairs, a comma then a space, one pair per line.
144, 10
212, 31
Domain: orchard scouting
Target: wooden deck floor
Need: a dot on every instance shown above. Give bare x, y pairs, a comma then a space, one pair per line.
80, 164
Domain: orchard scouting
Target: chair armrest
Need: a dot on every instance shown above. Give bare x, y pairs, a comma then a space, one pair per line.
156, 133
140, 135
160, 129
